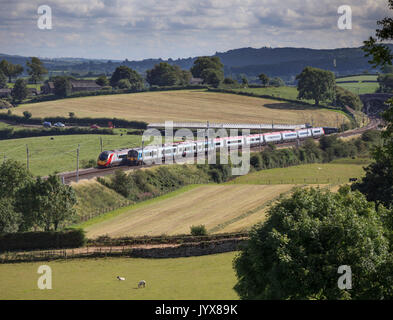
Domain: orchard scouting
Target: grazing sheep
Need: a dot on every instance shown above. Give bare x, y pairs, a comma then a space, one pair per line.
141, 284
120, 278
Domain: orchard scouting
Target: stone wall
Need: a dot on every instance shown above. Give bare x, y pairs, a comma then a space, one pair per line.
189, 249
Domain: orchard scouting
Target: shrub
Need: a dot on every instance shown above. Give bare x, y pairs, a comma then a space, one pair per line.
198, 230
42, 240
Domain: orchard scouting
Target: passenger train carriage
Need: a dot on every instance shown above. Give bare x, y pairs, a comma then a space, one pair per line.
151, 154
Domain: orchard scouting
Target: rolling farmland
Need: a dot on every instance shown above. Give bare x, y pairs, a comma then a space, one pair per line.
316, 173
215, 206
359, 87
205, 277
184, 105
59, 155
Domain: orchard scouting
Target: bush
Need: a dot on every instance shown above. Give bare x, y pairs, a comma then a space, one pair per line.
76, 121
198, 230
42, 240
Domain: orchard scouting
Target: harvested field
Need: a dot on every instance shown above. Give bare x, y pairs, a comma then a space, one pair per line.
215, 206
184, 105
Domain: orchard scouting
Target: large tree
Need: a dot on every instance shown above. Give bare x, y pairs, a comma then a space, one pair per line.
316, 84
102, 81
210, 69
36, 69
13, 176
20, 90
10, 70
45, 204
9, 219
124, 72
347, 98
377, 184
163, 74
62, 86
375, 48
264, 79
296, 253
385, 82
3, 80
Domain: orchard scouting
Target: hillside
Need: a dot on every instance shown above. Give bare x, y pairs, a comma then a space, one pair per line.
185, 105
282, 62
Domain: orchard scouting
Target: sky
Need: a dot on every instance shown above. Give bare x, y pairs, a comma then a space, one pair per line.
139, 29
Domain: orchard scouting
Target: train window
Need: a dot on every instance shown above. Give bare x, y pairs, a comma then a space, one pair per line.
122, 156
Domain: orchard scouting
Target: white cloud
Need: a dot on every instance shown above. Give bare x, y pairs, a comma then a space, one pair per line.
172, 28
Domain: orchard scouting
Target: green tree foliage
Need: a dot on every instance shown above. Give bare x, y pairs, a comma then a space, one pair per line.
380, 53
36, 69
202, 63
198, 230
316, 84
9, 219
264, 79
3, 80
124, 84
347, 98
27, 114
385, 83
212, 77
164, 74
62, 86
276, 82
20, 90
10, 70
377, 184
13, 176
296, 253
46, 204
210, 69
387, 69
123, 72
102, 81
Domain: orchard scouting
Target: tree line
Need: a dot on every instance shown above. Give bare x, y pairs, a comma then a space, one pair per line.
33, 204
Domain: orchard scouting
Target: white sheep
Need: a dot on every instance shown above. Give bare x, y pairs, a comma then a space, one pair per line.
120, 278
141, 284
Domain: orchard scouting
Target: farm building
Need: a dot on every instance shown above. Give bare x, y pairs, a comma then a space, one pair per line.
4, 93
48, 88
196, 81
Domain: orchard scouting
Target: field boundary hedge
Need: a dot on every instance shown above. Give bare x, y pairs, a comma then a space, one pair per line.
266, 96
74, 238
170, 251
80, 94
177, 239
122, 123
10, 133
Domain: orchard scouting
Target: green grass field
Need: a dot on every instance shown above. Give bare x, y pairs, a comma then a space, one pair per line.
360, 87
59, 155
195, 278
280, 92
317, 173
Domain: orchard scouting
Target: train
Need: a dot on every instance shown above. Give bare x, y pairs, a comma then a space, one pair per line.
158, 153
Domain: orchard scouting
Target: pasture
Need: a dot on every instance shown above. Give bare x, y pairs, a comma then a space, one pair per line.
360, 87
215, 206
194, 278
337, 172
184, 105
59, 155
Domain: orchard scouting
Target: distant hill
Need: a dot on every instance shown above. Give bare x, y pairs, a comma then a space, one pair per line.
282, 62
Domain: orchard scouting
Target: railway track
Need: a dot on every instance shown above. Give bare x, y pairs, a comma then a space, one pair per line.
90, 173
